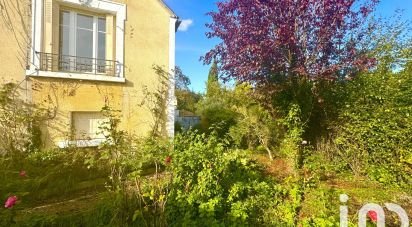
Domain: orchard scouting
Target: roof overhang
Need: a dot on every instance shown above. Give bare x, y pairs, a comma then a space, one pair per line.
168, 8
172, 13
178, 22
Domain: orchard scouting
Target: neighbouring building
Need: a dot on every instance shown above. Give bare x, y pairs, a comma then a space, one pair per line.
73, 57
186, 119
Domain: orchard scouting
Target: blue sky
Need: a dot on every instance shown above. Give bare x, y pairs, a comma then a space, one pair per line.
191, 42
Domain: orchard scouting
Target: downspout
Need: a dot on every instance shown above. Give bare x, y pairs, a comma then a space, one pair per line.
171, 106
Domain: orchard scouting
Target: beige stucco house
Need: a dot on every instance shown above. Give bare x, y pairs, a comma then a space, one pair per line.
72, 57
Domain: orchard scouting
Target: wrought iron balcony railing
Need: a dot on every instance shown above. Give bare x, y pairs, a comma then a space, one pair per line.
74, 64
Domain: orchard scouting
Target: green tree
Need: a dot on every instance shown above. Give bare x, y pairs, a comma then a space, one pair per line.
374, 127
212, 85
186, 99
214, 108
182, 81
254, 124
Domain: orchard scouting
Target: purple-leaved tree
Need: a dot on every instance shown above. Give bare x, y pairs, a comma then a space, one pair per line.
263, 41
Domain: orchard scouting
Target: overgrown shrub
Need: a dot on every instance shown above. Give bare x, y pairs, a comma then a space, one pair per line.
216, 185
375, 137
255, 127
19, 125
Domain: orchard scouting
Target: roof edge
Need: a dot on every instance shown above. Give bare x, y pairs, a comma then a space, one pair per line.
167, 7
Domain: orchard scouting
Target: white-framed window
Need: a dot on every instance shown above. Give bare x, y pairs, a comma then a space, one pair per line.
43, 17
88, 125
82, 42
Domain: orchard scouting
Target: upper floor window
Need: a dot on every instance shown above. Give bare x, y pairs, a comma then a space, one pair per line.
71, 40
83, 43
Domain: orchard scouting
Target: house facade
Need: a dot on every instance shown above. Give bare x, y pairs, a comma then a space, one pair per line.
73, 57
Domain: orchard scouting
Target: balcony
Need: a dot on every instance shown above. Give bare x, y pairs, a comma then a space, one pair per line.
74, 67
75, 64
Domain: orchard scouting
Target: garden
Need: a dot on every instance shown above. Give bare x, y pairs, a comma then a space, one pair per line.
306, 101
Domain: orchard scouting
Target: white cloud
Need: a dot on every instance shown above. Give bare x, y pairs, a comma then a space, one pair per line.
186, 23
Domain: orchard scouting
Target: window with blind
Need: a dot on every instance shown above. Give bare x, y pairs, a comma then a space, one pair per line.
88, 125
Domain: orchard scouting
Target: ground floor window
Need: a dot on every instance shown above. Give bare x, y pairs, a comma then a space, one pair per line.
88, 125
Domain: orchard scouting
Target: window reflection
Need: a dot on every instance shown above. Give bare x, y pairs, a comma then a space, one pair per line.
82, 43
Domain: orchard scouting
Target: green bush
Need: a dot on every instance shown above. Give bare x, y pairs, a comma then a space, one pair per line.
255, 127
375, 137
20, 123
216, 185
50, 175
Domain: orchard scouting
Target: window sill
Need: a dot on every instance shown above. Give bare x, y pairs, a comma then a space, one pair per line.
80, 143
75, 76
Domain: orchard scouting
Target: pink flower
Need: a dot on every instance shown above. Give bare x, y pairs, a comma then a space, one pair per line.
373, 215
22, 173
10, 202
